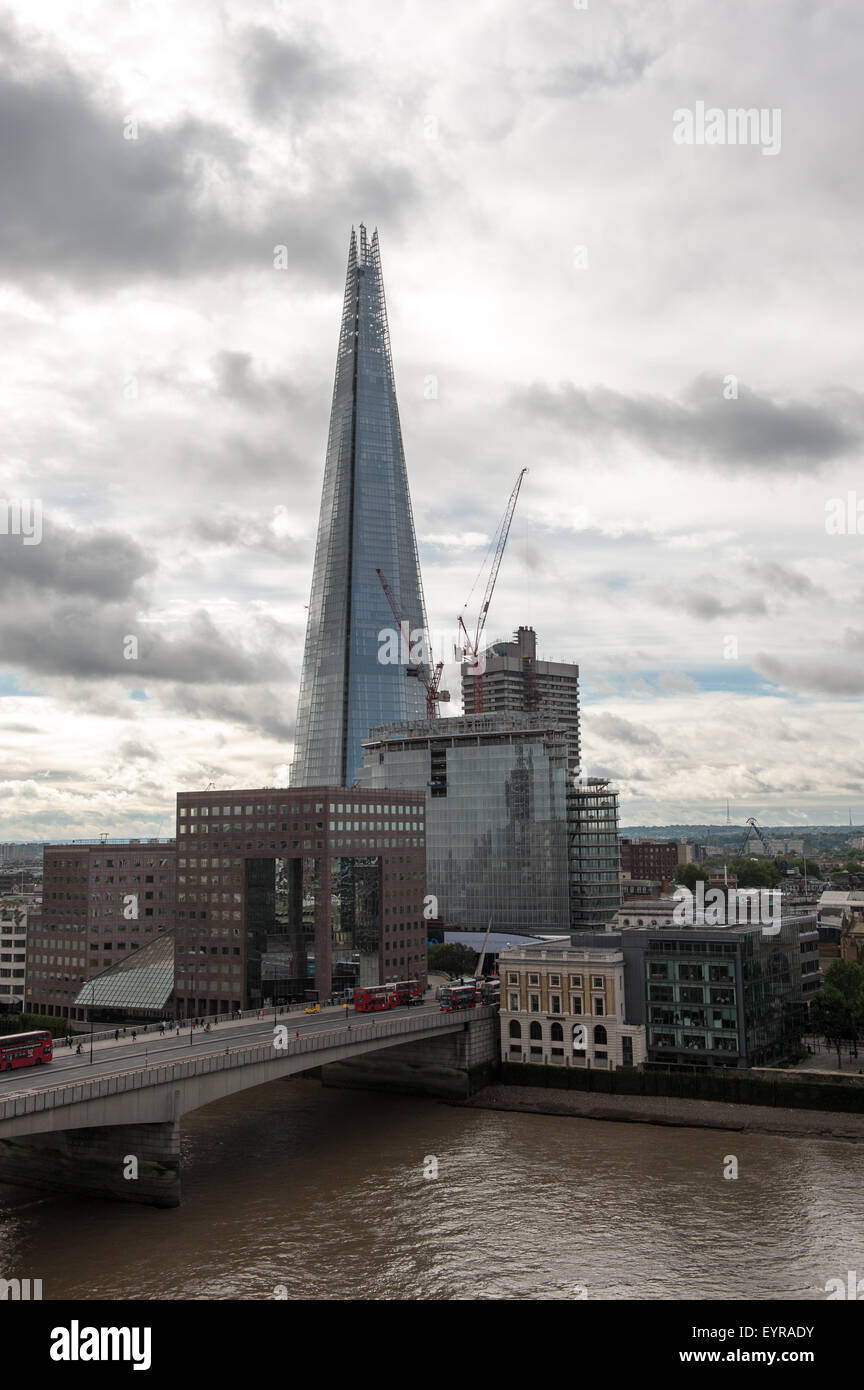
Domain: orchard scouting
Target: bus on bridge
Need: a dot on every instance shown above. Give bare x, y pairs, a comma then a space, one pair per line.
25, 1050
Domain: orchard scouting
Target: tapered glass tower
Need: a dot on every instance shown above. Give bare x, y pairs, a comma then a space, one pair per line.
365, 524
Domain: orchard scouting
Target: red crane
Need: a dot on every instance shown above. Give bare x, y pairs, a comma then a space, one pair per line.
431, 682
471, 646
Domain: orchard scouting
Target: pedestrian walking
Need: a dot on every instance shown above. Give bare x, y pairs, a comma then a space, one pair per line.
134, 1035
116, 1034
178, 1030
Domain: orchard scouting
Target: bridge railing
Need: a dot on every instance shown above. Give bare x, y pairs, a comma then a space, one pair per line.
30, 1102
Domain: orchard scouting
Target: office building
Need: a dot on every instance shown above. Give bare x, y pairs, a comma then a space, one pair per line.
286, 893
100, 902
513, 833
14, 921
565, 1005
692, 997
649, 859
514, 681
350, 681
496, 808
593, 862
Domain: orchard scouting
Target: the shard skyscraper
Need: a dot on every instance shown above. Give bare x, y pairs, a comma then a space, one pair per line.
365, 524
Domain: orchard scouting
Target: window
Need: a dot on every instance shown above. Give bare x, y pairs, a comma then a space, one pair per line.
514, 1003
600, 1038
536, 1032
534, 1003
515, 1029
557, 1033
512, 978
555, 1004
533, 979
576, 1004
555, 981
597, 982
599, 1007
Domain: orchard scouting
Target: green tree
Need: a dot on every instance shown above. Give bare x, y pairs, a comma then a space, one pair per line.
831, 1018
688, 874
452, 959
837, 1010
755, 873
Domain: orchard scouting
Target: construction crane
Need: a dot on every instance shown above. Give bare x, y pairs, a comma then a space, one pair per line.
471, 645
431, 682
753, 825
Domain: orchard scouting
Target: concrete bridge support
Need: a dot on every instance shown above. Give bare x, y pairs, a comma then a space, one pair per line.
126, 1163
450, 1067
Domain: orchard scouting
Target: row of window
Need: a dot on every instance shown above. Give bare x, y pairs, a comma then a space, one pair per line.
597, 981
598, 1004
307, 808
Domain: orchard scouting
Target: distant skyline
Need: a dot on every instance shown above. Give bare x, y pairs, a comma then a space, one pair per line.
666, 335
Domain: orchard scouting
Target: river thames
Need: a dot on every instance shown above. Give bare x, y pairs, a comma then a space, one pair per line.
293, 1190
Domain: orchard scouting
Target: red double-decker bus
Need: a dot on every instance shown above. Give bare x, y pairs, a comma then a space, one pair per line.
407, 991
25, 1050
458, 997
371, 999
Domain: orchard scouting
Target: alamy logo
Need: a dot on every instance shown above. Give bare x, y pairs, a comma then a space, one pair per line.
739, 126
77, 1343
21, 517
18, 1290
722, 907
853, 1288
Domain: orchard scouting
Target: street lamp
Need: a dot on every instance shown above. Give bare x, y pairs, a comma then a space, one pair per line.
92, 999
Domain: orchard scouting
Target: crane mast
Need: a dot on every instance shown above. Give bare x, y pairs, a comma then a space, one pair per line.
471, 645
431, 681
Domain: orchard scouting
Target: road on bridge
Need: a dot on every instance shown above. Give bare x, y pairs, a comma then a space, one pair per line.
155, 1048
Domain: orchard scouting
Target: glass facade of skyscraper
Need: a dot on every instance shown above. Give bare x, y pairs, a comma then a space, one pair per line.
365, 525
496, 832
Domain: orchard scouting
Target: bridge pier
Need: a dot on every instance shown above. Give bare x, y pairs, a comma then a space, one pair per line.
125, 1163
451, 1067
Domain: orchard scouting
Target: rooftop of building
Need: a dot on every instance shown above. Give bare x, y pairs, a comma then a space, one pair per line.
469, 726
564, 950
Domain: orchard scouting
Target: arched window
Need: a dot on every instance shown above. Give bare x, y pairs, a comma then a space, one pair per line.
536, 1031
557, 1032
515, 1030
600, 1035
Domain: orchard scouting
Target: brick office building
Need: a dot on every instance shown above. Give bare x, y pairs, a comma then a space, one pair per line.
649, 859
280, 892
100, 902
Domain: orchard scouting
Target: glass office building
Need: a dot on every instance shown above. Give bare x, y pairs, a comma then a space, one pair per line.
496, 815
365, 524
715, 996
594, 855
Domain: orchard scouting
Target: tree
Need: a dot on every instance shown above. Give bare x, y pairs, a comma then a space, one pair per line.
837, 1010
754, 873
453, 959
688, 874
831, 1018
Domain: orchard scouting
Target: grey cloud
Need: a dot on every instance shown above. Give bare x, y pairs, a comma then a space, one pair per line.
752, 432
100, 563
782, 580
130, 751
259, 709
285, 74
86, 641
619, 730
81, 202
817, 677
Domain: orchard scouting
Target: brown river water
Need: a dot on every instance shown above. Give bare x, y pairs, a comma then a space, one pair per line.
299, 1191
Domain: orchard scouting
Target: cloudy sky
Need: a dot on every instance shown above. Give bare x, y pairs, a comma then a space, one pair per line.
667, 335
